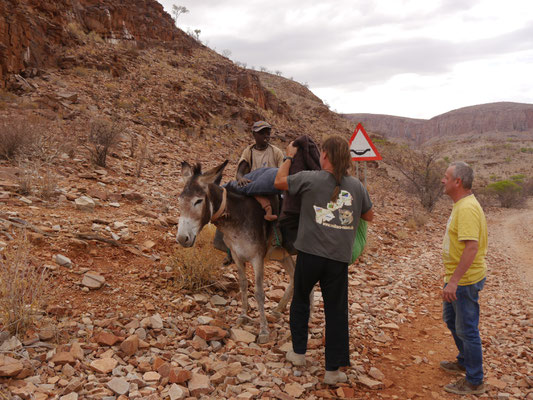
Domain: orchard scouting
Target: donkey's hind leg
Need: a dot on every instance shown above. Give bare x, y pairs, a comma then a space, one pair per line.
243, 285
288, 265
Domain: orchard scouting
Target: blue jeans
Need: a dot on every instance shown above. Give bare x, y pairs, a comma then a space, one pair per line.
462, 318
262, 183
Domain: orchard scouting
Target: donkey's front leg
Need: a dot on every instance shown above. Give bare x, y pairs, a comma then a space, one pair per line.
243, 285
258, 264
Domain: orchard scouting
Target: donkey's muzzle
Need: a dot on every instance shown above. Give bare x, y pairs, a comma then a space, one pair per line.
186, 240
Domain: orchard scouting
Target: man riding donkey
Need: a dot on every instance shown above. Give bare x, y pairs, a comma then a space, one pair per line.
256, 171
257, 155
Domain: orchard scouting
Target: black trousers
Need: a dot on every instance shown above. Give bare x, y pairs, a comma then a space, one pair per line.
333, 278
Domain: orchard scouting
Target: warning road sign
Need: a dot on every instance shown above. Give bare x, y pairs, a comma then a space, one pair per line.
361, 147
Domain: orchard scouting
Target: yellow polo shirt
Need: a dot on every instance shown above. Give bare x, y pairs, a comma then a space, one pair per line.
466, 222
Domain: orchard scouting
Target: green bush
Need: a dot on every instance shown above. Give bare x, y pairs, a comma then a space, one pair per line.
518, 178
508, 192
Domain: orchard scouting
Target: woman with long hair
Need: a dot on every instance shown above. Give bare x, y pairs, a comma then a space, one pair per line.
332, 202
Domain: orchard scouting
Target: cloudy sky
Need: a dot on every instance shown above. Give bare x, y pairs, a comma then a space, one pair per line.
412, 58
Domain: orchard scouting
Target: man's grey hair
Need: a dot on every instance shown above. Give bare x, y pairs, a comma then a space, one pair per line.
464, 172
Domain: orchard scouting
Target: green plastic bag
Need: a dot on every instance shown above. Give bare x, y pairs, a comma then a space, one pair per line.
360, 239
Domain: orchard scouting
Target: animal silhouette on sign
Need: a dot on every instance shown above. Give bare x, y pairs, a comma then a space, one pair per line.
359, 152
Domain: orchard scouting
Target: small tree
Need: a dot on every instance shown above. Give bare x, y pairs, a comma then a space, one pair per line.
177, 11
197, 34
423, 170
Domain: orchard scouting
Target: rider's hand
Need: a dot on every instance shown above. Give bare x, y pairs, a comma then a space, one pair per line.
291, 150
242, 182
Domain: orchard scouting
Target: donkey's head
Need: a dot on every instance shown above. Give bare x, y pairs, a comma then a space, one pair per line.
195, 202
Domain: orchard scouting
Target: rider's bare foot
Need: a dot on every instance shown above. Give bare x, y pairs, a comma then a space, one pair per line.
268, 213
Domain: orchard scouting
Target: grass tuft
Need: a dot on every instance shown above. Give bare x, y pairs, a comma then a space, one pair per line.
199, 266
22, 287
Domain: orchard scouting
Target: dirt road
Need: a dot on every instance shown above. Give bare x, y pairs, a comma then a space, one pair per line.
511, 232
412, 363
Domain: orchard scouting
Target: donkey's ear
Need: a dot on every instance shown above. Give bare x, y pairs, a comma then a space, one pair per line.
214, 175
186, 171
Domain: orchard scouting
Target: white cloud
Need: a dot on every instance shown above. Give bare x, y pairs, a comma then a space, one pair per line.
405, 57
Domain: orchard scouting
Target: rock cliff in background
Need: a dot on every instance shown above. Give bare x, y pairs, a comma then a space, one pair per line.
33, 31
493, 117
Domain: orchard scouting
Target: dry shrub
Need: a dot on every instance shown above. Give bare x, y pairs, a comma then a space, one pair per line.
7, 98
47, 185
47, 144
82, 72
143, 154
197, 267
133, 143
16, 137
77, 31
402, 234
103, 135
26, 181
416, 220
527, 187
422, 169
95, 37
22, 287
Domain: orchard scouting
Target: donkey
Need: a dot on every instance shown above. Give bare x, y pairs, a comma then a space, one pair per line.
246, 232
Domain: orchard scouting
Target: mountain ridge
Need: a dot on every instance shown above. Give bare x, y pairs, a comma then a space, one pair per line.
481, 118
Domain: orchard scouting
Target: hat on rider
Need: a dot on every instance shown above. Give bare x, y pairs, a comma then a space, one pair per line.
259, 125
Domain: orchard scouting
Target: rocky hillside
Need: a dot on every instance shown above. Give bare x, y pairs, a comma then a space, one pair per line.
502, 117
133, 54
33, 32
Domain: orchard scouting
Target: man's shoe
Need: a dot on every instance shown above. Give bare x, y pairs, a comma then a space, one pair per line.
462, 386
295, 358
453, 367
334, 377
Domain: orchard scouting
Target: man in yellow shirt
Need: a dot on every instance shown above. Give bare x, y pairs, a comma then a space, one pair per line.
464, 249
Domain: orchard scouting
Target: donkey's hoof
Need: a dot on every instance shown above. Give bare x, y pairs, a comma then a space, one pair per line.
263, 338
275, 316
243, 319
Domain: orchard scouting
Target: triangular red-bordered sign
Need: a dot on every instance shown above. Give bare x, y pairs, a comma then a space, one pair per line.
361, 147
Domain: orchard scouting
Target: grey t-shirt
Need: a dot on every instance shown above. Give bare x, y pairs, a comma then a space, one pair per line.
326, 228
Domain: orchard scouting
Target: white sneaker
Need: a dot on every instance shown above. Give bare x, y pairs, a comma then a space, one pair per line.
334, 377
295, 358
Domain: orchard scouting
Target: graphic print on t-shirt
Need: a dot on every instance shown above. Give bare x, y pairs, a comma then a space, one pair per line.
324, 216
346, 217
